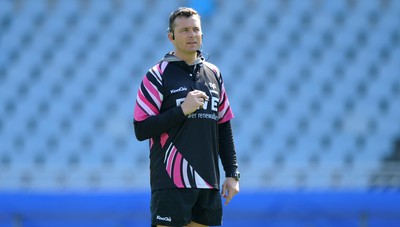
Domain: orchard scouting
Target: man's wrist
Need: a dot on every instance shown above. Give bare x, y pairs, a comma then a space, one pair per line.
235, 175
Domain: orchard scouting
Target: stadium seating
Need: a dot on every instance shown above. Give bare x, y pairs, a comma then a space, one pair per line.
315, 87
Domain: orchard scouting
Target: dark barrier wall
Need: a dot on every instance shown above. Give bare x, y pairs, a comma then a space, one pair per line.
283, 209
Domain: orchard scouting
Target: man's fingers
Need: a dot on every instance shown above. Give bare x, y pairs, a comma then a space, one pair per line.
228, 199
231, 193
223, 191
205, 97
229, 189
229, 196
200, 94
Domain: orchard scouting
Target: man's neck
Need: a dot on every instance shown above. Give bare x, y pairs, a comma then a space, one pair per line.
188, 58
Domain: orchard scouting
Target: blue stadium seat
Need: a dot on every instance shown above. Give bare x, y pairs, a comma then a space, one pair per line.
306, 81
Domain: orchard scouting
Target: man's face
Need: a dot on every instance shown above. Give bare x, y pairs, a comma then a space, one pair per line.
188, 35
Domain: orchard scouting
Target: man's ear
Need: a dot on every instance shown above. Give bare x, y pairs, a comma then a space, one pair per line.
171, 37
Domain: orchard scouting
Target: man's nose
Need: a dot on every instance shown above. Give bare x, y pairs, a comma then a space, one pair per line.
191, 33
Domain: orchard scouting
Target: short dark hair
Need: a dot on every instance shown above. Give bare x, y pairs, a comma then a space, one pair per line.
181, 12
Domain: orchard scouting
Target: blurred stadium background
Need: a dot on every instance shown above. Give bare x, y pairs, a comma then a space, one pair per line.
314, 85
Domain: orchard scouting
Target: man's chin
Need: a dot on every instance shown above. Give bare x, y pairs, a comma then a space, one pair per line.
192, 51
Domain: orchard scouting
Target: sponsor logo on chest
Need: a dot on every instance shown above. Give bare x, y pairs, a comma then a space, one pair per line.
173, 91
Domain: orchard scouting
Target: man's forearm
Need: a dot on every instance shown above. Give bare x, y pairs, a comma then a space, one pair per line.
156, 125
227, 148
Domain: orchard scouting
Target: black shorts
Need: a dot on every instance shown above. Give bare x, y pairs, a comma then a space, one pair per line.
178, 207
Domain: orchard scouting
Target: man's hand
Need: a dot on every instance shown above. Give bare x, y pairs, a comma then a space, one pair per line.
193, 101
229, 189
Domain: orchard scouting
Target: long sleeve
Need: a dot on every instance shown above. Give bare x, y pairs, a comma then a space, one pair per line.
149, 121
227, 148
157, 124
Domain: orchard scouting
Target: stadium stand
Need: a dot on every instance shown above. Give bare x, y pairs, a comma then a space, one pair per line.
314, 85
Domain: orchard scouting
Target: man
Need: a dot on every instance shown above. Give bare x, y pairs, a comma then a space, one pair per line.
183, 109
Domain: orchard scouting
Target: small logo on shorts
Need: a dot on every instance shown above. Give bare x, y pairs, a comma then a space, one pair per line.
168, 219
